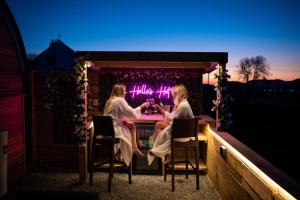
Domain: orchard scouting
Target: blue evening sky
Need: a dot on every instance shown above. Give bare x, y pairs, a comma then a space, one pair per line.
243, 28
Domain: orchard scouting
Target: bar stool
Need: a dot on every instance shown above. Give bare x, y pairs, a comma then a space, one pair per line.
102, 140
184, 136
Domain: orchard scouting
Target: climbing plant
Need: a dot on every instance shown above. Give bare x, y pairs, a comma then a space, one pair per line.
79, 112
223, 99
58, 83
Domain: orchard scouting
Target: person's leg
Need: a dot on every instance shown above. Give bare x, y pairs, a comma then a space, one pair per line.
159, 126
135, 150
168, 159
139, 142
118, 155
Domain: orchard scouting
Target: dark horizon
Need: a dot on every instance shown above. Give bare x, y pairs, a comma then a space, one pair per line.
241, 82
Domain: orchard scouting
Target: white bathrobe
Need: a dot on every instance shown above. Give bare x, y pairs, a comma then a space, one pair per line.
162, 144
118, 110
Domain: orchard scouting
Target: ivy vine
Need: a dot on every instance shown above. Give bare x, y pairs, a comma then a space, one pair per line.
223, 99
79, 113
58, 82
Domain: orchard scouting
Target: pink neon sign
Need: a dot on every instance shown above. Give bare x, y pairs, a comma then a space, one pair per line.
162, 92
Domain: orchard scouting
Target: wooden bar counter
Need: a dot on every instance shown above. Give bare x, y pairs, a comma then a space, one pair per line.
145, 129
148, 122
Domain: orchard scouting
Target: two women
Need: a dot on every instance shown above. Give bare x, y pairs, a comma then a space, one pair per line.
117, 107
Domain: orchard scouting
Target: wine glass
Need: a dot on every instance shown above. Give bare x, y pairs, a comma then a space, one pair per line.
155, 111
146, 112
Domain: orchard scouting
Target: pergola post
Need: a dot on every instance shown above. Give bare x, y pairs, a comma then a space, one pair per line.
83, 161
220, 93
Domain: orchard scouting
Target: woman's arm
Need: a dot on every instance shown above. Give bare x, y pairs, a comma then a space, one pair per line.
127, 111
167, 114
130, 112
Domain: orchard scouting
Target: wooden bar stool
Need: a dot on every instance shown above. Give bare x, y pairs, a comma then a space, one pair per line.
184, 137
102, 141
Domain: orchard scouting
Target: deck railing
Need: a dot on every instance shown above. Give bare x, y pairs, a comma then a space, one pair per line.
237, 172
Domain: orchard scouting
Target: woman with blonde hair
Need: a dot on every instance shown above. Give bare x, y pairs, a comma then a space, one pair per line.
117, 107
162, 133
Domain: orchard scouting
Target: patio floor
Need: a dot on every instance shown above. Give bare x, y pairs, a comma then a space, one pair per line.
143, 186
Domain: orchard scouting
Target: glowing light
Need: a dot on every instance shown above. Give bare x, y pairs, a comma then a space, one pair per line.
141, 90
253, 168
162, 92
87, 64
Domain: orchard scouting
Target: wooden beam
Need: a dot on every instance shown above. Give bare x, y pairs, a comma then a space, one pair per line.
154, 64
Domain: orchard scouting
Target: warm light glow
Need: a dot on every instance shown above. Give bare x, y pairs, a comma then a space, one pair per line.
284, 75
87, 64
261, 175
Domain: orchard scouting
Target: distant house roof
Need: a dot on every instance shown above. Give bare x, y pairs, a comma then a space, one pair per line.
58, 56
205, 61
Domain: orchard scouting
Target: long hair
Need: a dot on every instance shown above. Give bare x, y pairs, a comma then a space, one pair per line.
179, 93
118, 90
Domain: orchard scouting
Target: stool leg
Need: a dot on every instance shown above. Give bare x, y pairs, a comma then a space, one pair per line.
165, 171
197, 166
111, 164
130, 173
91, 176
110, 174
173, 178
186, 164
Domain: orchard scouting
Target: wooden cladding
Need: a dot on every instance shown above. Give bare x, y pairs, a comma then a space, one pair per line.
11, 94
234, 179
11, 119
10, 76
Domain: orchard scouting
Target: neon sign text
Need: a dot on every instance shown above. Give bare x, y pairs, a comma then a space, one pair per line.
141, 90
162, 92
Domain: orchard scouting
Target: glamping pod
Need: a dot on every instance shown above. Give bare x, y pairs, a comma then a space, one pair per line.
12, 93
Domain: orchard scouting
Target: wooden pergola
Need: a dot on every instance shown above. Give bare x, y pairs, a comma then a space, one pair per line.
204, 61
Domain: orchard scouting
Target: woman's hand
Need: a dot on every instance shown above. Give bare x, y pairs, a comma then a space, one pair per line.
159, 108
156, 106
145, 105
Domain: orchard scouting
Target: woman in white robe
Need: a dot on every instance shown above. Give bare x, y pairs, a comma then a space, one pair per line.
182, 109
117, 107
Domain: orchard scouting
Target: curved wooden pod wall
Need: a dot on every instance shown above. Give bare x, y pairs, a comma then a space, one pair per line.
12, 93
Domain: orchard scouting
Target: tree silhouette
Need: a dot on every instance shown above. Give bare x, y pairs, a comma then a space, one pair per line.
257, 67
245, 70
260, 68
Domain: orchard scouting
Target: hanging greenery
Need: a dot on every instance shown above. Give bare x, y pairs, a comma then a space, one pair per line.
79, 113
223, 99
58, 82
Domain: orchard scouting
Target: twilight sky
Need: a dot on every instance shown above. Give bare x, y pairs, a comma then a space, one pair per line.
242, 28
